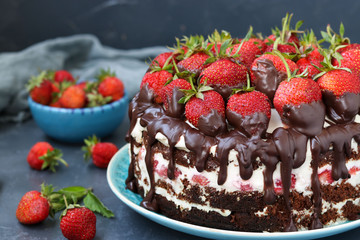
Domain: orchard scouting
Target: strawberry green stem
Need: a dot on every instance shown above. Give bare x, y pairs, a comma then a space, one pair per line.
285, 26
288, 72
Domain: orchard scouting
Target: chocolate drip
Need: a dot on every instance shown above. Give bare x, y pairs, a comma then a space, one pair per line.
176, 109
226, 90
341, 109
252, 125
212, 124
306, 118
315, 184
130, 180
287, 146
267, 78
149, 201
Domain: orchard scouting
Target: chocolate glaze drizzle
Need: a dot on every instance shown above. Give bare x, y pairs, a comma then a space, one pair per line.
285, 145
267, 78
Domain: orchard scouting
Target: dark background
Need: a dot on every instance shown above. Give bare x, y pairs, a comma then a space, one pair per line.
140, 23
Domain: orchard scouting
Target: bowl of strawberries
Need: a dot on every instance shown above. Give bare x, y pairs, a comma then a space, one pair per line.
70, 111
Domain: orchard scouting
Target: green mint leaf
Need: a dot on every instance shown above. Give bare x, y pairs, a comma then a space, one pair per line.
77, 192
95, 205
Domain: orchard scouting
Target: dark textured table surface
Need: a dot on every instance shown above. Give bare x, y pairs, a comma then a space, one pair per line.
16, 178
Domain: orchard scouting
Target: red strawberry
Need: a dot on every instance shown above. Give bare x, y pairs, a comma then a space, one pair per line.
339, 81
241, 111
248, 103
42, 155
101, 152
167, 92
289, 39
197, 107
33, 208
73, 97
156, 81
62, 75
82, 85
295, 92
258, 43
78, 223
161, 59
308, 63
325, 177
40, 89
351, 60
110, 85
349, 47
194, 64
224, 72
200, 179
278, 64
248, 52
284, 48
56, 104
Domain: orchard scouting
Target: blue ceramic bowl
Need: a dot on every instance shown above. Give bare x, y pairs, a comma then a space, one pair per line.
74, 125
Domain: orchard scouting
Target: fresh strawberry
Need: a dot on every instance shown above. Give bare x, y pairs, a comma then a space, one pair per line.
308, 63
101, 152
162, 58
56, 104
225, 72
351, 60
248, 51
339, 81
63, 75
33, 208
325, 177
200, 179
284, 48
197, 107
310, 46
284, 40
248, 103
345, 47
216, 39
82, 85
40, 89
194, 64
110, 85
42, 155
78, 223
277, 62
73, 97
167, 92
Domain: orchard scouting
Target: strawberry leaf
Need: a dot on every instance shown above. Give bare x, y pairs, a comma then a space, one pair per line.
95, 205
76, 191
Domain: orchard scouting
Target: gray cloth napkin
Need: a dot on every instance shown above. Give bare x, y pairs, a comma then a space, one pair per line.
82, 55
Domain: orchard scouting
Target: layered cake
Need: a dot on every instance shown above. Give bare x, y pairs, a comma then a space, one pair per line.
224, 134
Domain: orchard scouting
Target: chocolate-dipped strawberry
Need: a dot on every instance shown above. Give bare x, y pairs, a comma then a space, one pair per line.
225, 71
267, 71
249, 111
205, 109
298, 102
341, 92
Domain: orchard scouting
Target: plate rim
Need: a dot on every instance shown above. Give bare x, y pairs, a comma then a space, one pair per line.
208, 232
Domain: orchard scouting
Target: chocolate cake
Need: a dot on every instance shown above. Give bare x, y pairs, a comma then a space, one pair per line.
298, 170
